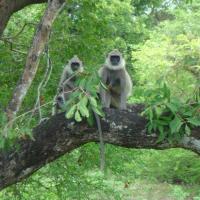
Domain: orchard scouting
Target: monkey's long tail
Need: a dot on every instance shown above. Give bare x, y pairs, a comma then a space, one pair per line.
102, 147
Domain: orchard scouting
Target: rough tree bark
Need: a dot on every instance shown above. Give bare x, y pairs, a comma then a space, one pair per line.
38, 44
57, 136
8, 7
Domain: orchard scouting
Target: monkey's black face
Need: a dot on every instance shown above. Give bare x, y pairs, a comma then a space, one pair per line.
60, 99
115, 60
75, 66
59, 102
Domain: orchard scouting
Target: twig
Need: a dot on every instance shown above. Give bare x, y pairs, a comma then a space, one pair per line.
49, 64
11, 46
17, 34
43, 83
40, 39
102, 146
23, 114
63, 84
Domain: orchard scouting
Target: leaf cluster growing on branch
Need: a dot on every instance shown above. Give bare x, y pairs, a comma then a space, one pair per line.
84, 100
169, 116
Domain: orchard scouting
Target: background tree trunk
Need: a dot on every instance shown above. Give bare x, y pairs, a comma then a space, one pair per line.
58, 135
8, 7
40, 39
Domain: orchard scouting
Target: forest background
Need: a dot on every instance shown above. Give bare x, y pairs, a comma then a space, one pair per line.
160, 40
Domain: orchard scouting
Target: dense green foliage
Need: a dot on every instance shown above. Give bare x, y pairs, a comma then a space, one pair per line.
175, 45
161, 42
84, 101
170, 117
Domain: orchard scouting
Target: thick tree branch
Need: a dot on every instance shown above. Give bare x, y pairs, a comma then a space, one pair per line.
33, 58
57, 136
8, 7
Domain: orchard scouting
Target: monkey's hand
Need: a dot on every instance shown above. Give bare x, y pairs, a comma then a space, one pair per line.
105, 87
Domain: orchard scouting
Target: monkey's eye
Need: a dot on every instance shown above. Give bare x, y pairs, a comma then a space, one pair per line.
75, 66
115, 59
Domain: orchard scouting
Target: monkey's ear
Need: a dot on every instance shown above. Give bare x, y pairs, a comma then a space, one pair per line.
69, 63
105, 55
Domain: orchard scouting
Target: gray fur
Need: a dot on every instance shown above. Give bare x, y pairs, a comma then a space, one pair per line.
66, 85
117, 81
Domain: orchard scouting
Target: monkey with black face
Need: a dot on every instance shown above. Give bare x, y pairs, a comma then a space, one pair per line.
73, 67
66, 84
114, 76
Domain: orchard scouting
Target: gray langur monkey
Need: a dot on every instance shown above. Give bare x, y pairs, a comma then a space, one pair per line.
114, 76
66, 84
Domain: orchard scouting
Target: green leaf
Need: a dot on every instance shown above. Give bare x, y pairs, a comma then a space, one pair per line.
175, 125
187, 130
151, 114
97, 111
162, 134
74, 94
71, 112
161, 122
167, 119
83, 110
90, 120
93, 101
194, 121
85, 100
82, 83
2, 142
161, 130
82, 106
149, 128
173, 108
78, 116
158, 111
188, 113
167, 92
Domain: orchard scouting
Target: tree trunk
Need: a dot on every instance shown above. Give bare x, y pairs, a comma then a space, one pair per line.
5, 14
40, 39
8, 7
57, 136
